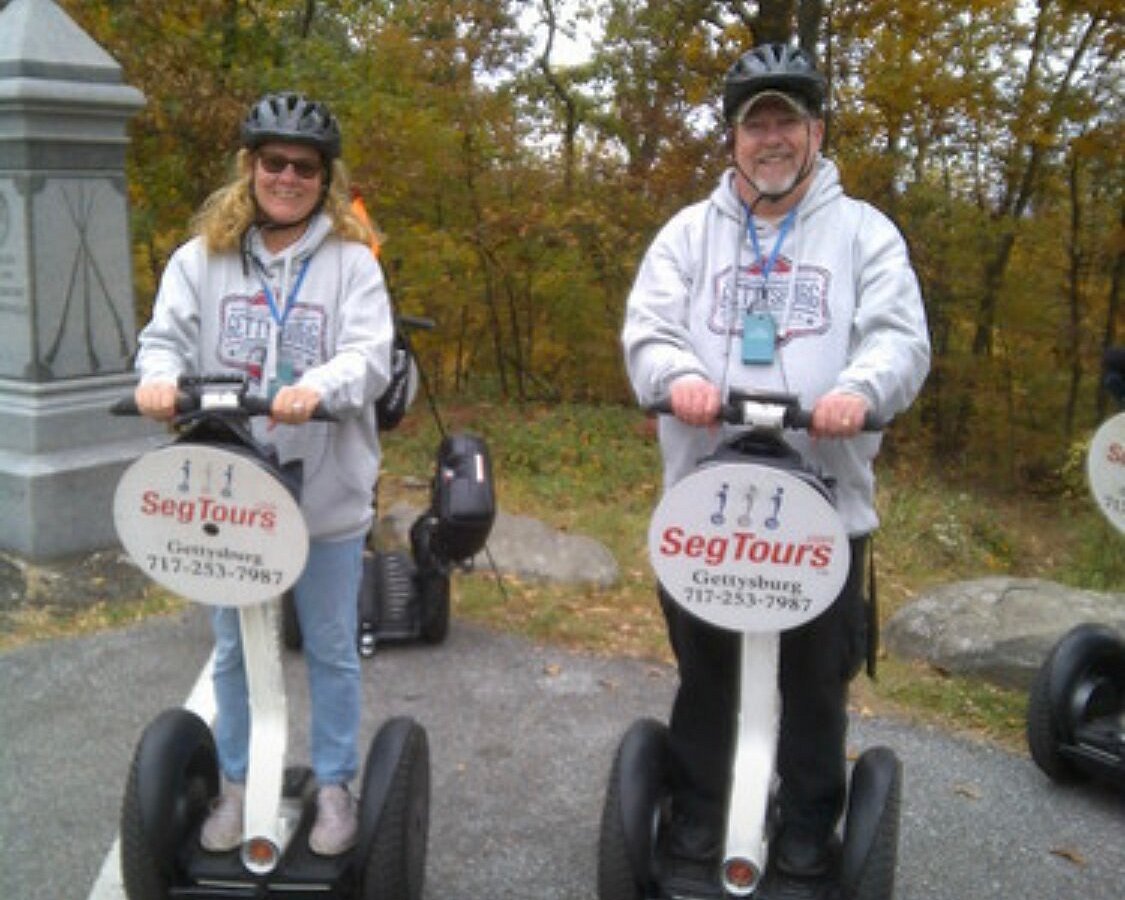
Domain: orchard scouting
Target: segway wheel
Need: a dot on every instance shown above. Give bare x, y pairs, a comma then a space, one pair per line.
431, 577
433, 594
1083, 678
870, 852
394, 816
173, 776
636, 788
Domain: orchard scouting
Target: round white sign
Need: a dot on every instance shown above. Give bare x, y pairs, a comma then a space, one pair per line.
748, 547
214, 526
1105, 467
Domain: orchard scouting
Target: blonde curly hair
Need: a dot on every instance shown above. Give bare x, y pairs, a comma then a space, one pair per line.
226, 215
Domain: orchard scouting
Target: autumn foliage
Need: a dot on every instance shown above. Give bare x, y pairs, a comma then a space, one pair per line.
516, 189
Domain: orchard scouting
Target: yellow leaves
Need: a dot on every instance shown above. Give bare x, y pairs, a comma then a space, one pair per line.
1070, 854
968, 791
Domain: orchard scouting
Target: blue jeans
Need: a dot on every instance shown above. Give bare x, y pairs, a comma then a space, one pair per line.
325, 597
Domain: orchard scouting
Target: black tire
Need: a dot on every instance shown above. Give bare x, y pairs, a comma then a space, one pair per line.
173, 776
431, 579
394, 813
870, 852
290, 624
1082, 678
433, 595
636, 788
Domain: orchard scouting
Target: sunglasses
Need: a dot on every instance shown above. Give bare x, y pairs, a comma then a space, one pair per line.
276, 163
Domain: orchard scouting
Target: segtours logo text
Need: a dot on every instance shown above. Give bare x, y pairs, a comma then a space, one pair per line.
207, 510
744, 547
207, 497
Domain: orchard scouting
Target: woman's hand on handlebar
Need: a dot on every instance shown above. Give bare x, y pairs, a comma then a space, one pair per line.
294, 404
839, 414
157, 400
695, 400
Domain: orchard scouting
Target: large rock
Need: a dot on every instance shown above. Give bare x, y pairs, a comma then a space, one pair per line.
527, 548
73, 582
1000, 629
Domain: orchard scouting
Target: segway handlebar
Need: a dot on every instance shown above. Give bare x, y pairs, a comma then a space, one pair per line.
765, 411
214, 394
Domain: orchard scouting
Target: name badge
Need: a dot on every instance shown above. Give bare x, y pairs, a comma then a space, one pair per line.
285, 376
759, 338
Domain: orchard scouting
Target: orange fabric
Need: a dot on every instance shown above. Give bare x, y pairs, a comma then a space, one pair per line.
360, 210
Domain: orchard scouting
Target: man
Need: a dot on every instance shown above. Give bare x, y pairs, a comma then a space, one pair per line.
777, 282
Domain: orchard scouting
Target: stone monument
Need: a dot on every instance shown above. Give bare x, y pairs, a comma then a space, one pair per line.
67, 322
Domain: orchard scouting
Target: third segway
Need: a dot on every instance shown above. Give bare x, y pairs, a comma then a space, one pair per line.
1076, 707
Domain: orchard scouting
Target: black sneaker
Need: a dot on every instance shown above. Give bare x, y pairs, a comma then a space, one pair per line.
803, 855
690, 879
778, 886
690, 837
802, 867
689, 867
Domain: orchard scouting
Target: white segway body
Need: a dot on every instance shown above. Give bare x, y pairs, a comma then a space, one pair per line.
749, 542
1105, 468
757, 550
215, 526
212, 518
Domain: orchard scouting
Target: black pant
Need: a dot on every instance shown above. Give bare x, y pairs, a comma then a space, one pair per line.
817, 661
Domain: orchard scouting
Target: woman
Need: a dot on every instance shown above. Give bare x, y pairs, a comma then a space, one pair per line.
279, 285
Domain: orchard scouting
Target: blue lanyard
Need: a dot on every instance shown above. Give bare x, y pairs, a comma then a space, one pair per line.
280, 316
768, 264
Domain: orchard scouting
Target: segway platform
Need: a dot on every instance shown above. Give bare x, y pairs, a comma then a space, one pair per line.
300, 873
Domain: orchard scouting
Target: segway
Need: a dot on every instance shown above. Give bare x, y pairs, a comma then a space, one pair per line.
405, 593
1076, 706
214, 518
750, 542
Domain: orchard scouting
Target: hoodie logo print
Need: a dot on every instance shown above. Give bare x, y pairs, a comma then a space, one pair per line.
808, 315
244, 328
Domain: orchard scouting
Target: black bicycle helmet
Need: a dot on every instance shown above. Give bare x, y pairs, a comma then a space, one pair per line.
776, 67
292, 117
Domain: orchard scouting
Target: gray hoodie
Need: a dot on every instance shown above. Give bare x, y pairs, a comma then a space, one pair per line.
213, 315
846, 304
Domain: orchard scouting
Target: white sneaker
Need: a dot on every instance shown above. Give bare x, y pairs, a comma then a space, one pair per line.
336, 821
223, 829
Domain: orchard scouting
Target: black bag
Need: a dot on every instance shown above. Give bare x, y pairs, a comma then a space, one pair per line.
395, 400
463, 502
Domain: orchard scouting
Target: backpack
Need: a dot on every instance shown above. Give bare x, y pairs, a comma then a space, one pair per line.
399, 393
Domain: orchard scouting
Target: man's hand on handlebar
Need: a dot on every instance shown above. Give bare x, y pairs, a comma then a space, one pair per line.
695, 400
839, 414
294, 404
157, 400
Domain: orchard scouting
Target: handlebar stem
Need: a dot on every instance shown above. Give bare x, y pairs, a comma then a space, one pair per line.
756, 414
